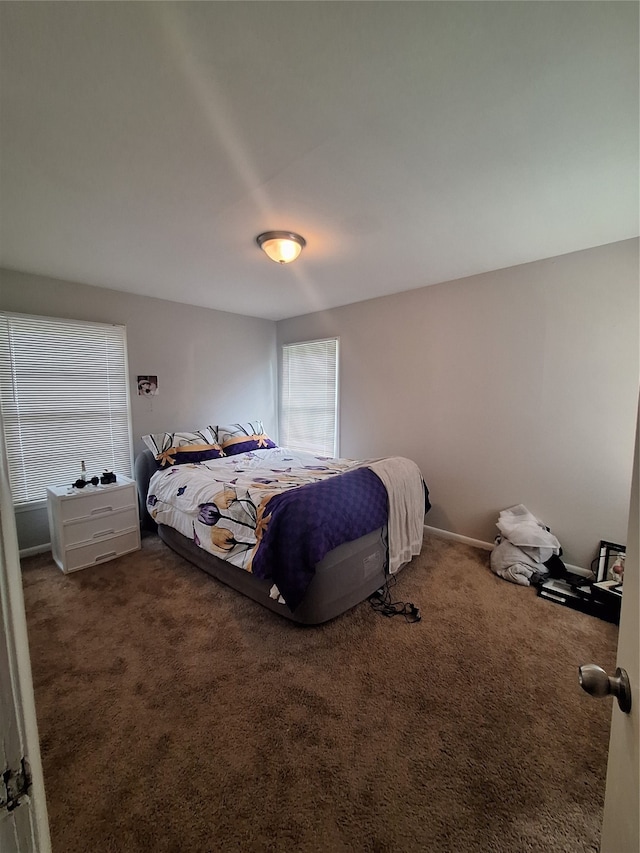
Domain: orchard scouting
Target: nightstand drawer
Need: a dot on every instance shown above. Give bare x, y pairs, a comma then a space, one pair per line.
103, 500
83, 556
99, 526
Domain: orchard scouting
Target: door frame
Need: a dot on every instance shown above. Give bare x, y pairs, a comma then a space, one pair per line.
25, 829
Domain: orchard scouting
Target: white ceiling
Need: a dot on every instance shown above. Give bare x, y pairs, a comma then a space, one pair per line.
145, 145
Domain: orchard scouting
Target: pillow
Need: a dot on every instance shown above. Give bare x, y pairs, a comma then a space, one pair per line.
170, 448
240, 438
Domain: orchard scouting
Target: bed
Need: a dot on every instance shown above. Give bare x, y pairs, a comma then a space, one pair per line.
305, 535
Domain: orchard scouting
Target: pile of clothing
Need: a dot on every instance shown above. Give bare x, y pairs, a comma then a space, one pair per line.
526, 551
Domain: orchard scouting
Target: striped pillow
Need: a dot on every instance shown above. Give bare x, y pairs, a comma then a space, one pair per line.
178, 448
240, 438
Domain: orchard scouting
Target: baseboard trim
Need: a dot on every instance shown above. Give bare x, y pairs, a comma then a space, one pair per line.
489, 546
457, 537
578, 570
37, 549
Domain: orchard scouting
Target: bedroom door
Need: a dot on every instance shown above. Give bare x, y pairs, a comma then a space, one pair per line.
23, 813
621, 825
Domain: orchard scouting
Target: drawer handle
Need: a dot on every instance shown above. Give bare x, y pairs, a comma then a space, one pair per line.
103, 533
101, 509
106, 556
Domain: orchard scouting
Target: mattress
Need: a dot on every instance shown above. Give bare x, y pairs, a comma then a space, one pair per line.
324, 542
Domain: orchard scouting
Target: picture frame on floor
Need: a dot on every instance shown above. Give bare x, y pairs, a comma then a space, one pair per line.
610, 562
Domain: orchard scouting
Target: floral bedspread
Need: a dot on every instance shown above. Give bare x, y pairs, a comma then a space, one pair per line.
273, 512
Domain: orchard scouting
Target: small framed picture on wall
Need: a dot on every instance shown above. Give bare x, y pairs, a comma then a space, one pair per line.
147, 386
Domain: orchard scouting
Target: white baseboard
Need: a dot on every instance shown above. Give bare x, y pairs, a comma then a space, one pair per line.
37, 549
457, 537
578, 570
489, 546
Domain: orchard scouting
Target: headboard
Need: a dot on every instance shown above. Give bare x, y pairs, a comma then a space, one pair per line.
145, 467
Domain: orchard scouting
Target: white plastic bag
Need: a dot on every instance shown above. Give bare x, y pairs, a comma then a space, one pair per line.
511, 563
523, 529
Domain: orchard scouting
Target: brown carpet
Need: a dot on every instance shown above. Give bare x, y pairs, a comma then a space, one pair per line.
176, 715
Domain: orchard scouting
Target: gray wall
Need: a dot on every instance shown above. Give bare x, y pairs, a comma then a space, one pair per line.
516, 386
212, 366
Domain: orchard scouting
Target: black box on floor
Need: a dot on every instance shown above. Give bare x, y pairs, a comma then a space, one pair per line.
579, 594
609, 593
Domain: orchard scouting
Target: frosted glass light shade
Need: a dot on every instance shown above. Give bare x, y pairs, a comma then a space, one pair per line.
281, 246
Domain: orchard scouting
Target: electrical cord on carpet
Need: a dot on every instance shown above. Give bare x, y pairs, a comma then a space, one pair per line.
382, 603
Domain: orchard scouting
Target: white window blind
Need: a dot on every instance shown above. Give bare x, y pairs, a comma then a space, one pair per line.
309, 397
65, 398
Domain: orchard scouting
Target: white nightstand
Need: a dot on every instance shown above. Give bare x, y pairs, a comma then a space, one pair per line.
94, 524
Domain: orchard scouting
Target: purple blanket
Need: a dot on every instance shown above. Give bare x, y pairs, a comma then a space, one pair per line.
304, 524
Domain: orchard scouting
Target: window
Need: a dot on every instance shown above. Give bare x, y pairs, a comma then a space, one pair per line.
309, 397
65, 398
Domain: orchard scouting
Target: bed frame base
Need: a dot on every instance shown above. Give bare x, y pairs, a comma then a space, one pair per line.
345, 577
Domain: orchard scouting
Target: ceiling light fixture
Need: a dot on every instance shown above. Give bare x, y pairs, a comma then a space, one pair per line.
281, 246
